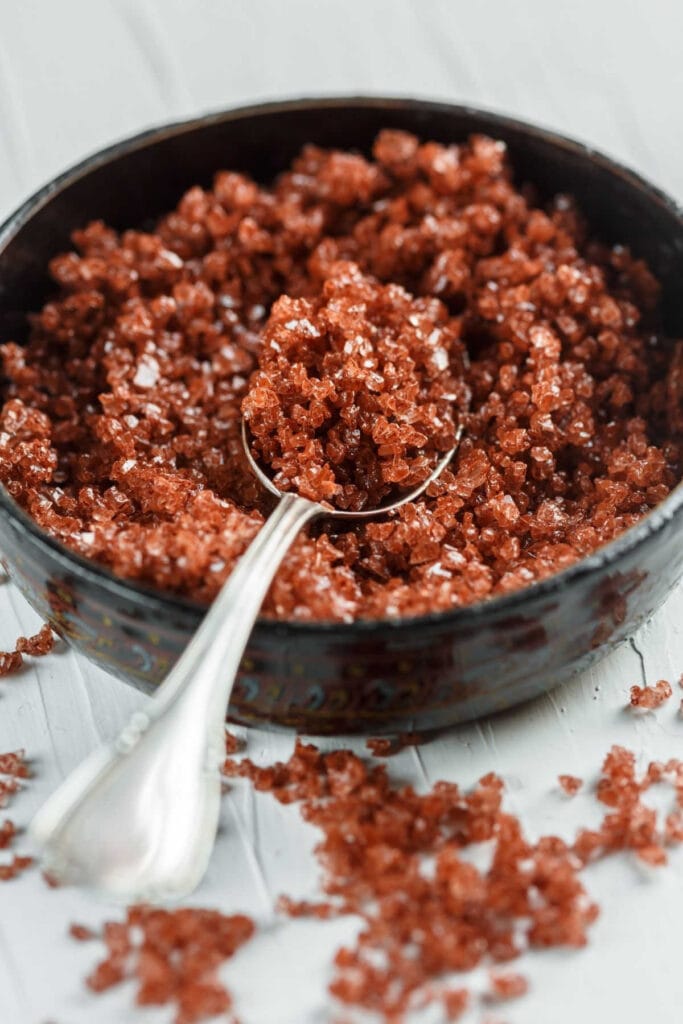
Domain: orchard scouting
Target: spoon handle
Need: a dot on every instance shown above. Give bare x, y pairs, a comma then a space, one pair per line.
205, 673
138, 819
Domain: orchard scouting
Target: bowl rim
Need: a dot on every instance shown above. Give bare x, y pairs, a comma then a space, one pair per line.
498, 606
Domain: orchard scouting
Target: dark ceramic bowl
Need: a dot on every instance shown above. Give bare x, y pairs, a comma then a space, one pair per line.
370, 677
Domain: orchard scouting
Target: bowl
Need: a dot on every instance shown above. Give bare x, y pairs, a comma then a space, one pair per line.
373, 677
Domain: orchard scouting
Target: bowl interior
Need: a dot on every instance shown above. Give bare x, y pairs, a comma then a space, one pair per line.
135, 181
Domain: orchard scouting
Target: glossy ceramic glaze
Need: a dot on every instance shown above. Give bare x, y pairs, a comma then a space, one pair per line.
370, 676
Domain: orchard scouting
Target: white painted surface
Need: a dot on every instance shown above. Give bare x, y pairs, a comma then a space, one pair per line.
78, 74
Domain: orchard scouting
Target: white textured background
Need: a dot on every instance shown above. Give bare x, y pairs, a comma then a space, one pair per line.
77, 74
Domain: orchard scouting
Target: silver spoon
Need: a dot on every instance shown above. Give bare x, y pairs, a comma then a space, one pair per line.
137, 820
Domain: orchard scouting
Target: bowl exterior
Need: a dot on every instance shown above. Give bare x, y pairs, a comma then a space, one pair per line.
366, 677
372, 677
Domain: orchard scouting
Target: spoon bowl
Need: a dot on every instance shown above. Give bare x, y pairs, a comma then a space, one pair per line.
368, 513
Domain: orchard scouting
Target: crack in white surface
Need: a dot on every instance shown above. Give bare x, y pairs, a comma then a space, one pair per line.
419, 760
250, 846
636, 650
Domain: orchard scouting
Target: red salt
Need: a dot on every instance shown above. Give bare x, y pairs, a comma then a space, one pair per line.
8, 831
8, 787
10, 662
418, 926
15, 867
36, 646
388, 747
632, 824
105, 975
39, 645
374, 838
455, 1002
173, 956
14, 764
507, 986
233, 744
570, 784
306, 908
654, 855
673, 828
650, 697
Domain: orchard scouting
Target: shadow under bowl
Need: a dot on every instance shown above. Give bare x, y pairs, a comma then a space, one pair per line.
371, 677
